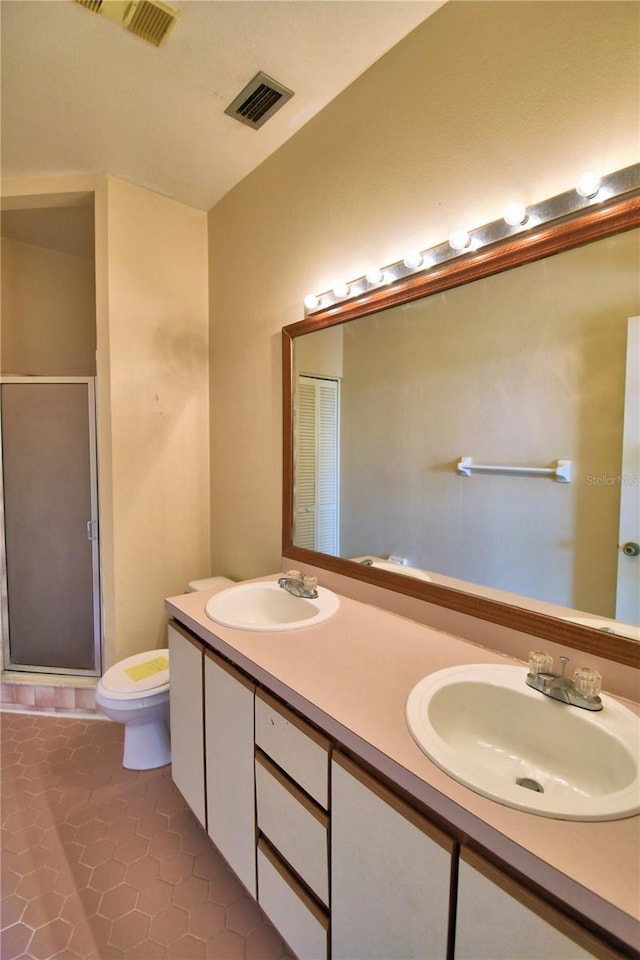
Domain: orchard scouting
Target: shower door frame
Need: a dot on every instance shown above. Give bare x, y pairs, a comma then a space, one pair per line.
93, 527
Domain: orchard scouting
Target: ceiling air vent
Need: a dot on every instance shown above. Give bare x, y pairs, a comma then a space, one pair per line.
259, 100
150, 20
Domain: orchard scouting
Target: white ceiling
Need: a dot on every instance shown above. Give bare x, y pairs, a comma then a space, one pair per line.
82, 95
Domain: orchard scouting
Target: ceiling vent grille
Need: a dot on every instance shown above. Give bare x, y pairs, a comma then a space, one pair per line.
150, 20
259, 100
94, 5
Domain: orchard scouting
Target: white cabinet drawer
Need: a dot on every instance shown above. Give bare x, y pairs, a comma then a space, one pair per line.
294, 825
296, 917
295, 746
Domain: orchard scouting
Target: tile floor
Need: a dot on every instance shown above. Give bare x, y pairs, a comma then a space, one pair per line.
100, 863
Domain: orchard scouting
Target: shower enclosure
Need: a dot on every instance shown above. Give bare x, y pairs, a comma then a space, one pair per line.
50, 558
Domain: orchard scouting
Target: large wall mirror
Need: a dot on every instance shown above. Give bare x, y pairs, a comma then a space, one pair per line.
520, 357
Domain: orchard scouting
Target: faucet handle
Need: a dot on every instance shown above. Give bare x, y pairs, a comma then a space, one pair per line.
309, 583
293, 575
588, 682
540, 662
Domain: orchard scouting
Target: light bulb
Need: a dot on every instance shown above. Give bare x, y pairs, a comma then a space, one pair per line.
589, 185
413, 259
311, 301
459, 240
516, 215
341, 290
375, 276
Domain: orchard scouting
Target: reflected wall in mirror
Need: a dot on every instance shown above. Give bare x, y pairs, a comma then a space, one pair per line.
519, 368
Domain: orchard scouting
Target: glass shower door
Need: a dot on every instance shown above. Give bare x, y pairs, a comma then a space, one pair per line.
51, 619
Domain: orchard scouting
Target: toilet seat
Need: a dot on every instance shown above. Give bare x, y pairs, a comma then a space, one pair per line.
142, 675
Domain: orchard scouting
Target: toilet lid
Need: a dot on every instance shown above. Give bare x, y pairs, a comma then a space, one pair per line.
138, 674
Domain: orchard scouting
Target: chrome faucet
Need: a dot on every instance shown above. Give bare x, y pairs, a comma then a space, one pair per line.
582, 691
298, 585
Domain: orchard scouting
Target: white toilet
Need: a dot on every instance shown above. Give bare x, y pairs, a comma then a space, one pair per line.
135, 692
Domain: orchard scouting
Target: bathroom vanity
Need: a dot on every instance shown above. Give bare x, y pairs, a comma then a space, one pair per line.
292, 750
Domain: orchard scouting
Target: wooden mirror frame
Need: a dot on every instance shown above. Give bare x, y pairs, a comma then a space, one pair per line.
600, 221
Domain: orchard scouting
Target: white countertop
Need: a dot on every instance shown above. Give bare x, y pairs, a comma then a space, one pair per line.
351, 676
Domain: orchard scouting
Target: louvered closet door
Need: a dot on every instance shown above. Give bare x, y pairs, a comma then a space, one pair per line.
317, 465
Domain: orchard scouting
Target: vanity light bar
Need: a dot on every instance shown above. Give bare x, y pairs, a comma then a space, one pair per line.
591, 189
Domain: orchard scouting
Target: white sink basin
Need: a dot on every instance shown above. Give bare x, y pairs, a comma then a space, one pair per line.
484, 727
266, 606
401, 569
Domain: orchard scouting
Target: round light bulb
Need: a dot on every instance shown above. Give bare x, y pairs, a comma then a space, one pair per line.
459, 240
413, 259
341, 290
589, 185
375, 276
311, 301
516, 215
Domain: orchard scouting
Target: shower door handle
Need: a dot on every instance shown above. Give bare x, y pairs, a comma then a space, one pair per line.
92, 529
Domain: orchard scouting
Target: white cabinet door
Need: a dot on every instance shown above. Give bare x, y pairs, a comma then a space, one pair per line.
186, 718
497, 919
229, 746
390, 873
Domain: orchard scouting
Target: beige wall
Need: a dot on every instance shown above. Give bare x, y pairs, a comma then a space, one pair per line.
158, 359
152, 399
48, 312
319, 354
483, 103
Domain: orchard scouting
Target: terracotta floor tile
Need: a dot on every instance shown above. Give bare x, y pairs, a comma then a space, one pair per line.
169, 925
186, 948
166, 845
118, 902
103, 863
242, 917
176, 867
11, 909
131, 849
80, 906
264, 943
207, 920
49, 940
191, 893
42, 909
228, 946
142, 871
155, 897
15, 940
97, 852
90, 936
123, 829
224, 888
36, 882
107, 875
129, 930
71, 879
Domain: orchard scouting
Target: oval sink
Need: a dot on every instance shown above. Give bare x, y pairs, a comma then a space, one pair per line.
267, 606
401, 569
483, 726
